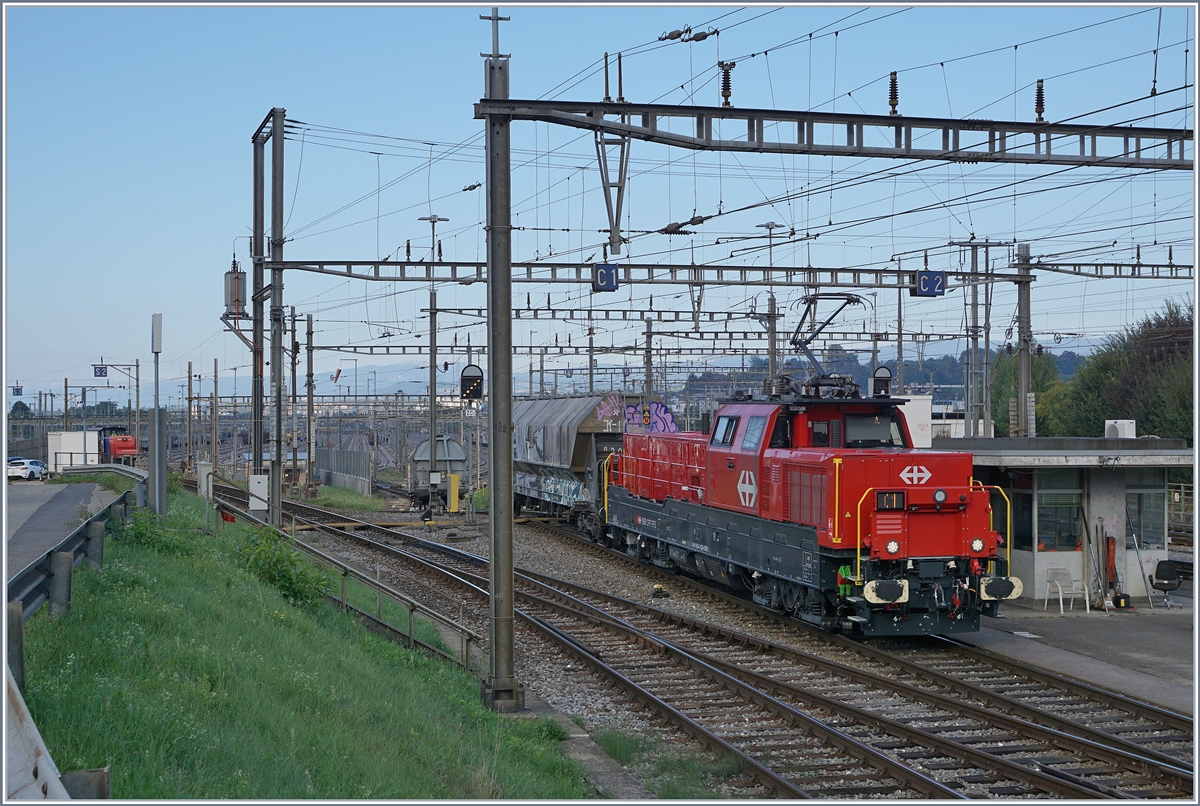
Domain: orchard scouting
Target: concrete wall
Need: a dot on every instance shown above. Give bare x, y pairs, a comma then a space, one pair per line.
28, 448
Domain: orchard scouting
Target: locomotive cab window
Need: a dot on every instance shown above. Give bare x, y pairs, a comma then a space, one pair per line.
781, 434
755, 427
724, 430
874, 431
820, 434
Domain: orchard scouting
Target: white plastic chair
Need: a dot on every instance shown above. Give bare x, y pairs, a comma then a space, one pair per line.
1060, 579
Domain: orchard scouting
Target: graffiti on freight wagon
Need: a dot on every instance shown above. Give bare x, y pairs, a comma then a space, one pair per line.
654, 418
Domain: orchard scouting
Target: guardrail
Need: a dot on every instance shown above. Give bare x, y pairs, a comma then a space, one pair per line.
468, 640
32, 585
31, 773
124, 470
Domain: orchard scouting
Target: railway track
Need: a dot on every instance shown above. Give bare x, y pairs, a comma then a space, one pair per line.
1033, 694
777, 708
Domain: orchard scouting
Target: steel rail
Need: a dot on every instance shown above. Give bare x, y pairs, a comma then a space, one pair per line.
1014, 706
1134, 763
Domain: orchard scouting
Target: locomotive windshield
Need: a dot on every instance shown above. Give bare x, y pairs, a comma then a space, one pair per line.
874, 431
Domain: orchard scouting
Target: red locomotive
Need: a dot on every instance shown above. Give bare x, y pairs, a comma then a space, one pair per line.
117, 445
819, 506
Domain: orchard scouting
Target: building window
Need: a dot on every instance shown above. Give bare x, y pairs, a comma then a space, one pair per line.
1146, 507
1146, 516
1056, 526
1022, 512
1059, 502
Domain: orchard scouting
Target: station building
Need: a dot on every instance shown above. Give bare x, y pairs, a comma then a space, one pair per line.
1069, 495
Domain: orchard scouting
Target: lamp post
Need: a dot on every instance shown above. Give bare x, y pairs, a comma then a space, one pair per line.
772, 366
433, 220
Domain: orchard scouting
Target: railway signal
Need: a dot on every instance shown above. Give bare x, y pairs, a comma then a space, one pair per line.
471, 383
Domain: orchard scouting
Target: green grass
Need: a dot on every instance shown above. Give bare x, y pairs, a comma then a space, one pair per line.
668, 773
341, 498
116, 482
389, 474
480, 498
192, 678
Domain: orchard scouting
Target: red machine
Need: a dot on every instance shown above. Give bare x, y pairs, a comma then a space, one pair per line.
820, 508
118, 446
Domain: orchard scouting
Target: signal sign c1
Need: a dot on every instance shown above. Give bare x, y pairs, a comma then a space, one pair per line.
605, 277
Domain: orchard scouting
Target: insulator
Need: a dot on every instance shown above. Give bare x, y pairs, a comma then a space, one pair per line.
607, 97
1137, 253
893, 95
1170, 259
1039, 104
927, 260
700, 37
672, 35
439, 250
726, 84
408, 250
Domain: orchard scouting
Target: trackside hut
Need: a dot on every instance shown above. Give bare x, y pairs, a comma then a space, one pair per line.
1069, 494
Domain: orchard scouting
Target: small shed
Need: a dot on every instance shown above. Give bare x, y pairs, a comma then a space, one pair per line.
1070, 495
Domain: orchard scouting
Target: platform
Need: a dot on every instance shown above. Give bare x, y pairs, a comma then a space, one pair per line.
1142, 653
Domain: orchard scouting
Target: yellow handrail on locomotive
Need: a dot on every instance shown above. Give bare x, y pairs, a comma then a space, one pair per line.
607, 465
1008, 538
858, 548
837, 498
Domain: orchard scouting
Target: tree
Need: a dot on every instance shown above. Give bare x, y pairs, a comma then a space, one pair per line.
1143, 373
19, 409
1043, 382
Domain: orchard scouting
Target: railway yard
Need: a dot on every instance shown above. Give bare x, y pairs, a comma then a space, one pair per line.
616, 644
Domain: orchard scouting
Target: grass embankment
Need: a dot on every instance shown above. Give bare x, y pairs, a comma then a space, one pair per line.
330, 497
192, 678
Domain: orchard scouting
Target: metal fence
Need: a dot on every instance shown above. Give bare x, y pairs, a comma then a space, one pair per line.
353, 470
469, 653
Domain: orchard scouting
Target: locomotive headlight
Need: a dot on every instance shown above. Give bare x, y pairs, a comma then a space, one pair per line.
893, 547
939, 496
977, 545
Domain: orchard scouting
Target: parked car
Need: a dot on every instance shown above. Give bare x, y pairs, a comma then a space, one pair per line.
29, 469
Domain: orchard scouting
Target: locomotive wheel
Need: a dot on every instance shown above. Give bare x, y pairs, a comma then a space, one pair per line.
791, 596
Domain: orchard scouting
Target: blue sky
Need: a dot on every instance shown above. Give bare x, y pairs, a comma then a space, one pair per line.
128, 183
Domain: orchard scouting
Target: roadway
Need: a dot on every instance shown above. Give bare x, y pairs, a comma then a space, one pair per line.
40, 516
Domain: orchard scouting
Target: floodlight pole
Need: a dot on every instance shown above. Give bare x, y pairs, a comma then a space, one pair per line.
501, 690
275, 491
433, 220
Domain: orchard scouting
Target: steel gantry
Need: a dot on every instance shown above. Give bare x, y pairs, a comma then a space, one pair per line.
765, 131
614, 125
